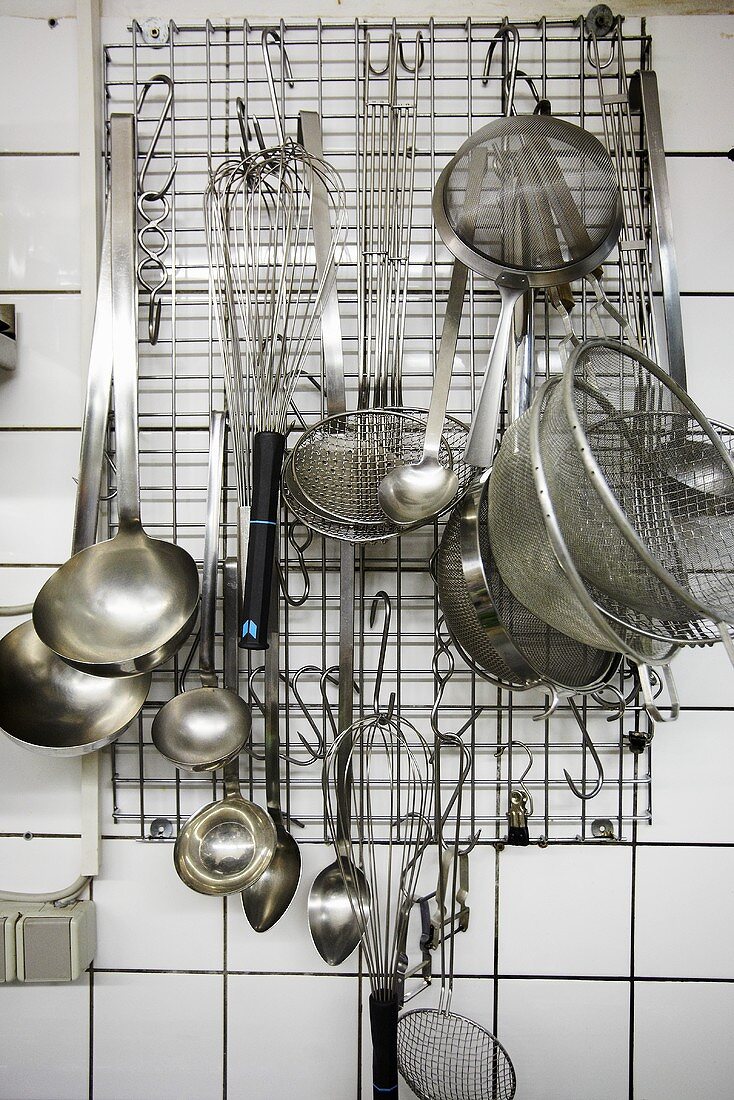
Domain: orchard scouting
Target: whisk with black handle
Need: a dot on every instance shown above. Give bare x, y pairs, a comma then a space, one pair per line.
390, 809
268, 292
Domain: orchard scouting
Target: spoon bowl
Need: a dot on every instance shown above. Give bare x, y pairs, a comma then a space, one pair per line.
266, 900
414, 493
335, 927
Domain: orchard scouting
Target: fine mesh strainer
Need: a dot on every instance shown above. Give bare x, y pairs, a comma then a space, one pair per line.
534, 562
643, 488
332, 475
499, 636
561, 183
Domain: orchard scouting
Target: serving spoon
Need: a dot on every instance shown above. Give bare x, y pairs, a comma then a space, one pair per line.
123, 606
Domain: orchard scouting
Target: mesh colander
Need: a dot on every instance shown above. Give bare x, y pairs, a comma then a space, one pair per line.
549, 212
332, 476
643, 488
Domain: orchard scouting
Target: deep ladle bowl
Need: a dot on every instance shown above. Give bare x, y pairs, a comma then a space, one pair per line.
124, 606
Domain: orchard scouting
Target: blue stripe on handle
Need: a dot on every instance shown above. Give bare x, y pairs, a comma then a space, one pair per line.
268, 522
393, 1088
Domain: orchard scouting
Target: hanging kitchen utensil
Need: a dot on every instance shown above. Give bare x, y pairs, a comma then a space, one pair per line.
391, 799
266, 900
45, 704
414, 493
533, 561
124, 606
268, 293
636, 465
548, 164
227, 845
203, 729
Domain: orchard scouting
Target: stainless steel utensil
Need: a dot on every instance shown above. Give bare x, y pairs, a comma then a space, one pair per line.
45, 704
203, 729
332, 924
616, 432
266, 900
226, 845
549, 164
268, 295
391, 802
124, 606
414, 493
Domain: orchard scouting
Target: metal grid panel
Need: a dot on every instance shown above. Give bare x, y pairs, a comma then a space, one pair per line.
181, 380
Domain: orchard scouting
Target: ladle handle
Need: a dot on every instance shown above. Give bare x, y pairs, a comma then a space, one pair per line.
124, 316
267, 461
230, 623
97, 405
485, 425
211, 550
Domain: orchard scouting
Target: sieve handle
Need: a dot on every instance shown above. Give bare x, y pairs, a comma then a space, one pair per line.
384, 1030
267, 460
651, 706
485, 425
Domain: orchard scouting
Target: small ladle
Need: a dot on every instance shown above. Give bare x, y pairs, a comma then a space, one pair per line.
227, 845
415, 493
123, 606
267, 900
202, 729
46, 705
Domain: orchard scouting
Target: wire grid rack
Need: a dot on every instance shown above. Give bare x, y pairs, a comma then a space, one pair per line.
181, 381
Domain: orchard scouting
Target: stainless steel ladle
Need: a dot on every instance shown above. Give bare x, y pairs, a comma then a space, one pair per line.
124, 606
226, 845
202, 729
45, 704
266, 901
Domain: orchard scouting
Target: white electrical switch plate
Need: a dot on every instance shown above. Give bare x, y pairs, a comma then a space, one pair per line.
8, 919
55, 943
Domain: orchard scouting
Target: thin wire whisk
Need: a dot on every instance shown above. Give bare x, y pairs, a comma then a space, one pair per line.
389, 829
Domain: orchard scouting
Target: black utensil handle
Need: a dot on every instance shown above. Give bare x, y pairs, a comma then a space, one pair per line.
518, 834
384, 1028
267, 460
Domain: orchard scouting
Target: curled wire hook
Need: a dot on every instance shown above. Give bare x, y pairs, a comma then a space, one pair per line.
371, 70
272, 35
166, 81
300, 552
312, 754
382, 597
420, 54
602, 27
466, 766
247, 131
594, 756
521, 781
509, 32
113, 492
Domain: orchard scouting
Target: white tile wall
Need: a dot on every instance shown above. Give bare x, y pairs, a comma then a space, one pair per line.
565, 913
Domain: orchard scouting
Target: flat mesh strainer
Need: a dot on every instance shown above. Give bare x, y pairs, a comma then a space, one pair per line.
532, 558
552, 164
643, 489
444, 1056
332, 475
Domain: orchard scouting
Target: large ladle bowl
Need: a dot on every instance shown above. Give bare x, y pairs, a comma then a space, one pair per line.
124, 606
46, 705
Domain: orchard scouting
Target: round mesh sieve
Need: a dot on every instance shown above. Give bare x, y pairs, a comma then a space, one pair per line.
332, 476
444, 1056
527, 559
643, 489
556, 178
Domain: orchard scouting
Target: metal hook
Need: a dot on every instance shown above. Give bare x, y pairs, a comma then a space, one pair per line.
312, 754
420, 54
600, 23
509, 32
371, 70
160, 78
247, 131
299, 548
383, 597
113, 492
268, 35
594, 756
521, 781
467, 763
